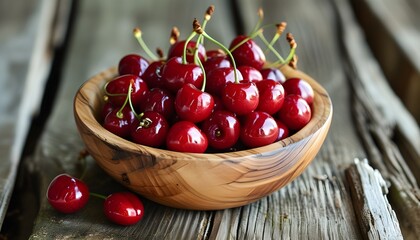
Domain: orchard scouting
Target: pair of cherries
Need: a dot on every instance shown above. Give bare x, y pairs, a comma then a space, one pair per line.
198, 100
68, 194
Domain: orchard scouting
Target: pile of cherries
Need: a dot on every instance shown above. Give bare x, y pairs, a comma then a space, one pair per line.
198, 100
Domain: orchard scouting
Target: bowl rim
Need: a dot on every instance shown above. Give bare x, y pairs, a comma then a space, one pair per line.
84, 113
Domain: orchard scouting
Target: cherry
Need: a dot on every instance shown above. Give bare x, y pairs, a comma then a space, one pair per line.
150, 130
218, 77
222, 130
132, 64
159, 100
67, 194
185, 136
295, 112
218, 104
299, 87
175, 74
274, 74
250, 74
247, 53
106, 109
216, 62
215, 53
258, 129
117, 89
152, 75
240, 98
283, 130
118, 121
271, 96
192, 104
177, 50
123, 208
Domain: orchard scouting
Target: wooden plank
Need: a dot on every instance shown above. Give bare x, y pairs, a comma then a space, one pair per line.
394, 26
378, 121
27, 32
102, 36
376, 218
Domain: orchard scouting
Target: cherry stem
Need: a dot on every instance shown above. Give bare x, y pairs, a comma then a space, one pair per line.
174, 36
292, 52
127, 99
184, 55
200, 39
293, 46
138, 35
258, 24
111, 94
270, 46
199, 30
203, 87
280, 29
98, 195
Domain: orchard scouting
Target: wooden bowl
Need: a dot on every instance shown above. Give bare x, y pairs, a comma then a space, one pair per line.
200, 181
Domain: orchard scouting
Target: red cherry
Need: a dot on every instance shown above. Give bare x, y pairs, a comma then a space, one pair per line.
123, 208
117, 89
218, 77
258, 129
271, 96
159, 100
132, 64
283, 130
218, 104
215, 53
150, 130
247, 54
192, 104
177, 50
216, 62
119, 122
250, 74
152, 74
185, 136
299, 87
106, 109
175, 74
222, 130
295, 112
67, 194
274, 74
240, 98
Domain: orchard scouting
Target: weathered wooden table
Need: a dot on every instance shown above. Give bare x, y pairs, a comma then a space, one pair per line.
366, 54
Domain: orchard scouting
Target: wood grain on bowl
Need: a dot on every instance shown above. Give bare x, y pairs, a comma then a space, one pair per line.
200, 181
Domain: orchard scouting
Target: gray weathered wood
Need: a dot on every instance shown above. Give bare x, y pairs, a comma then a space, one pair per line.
376, 218
26, 32
392, 29
377, 121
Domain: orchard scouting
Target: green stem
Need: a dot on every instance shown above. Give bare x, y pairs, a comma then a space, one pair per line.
138, 35
270, 47
98, 195
184, 55
227, 52
258, 24
203, 87
127, 99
